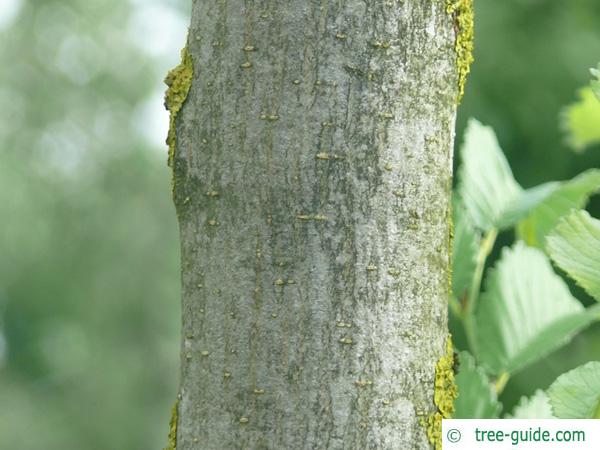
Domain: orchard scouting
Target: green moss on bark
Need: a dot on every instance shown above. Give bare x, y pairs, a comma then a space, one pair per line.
462, 11
178, 81
172, 445
445, 392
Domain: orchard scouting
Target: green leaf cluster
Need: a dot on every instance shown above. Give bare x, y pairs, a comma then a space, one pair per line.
581, 119
525, 310
595, 84
576, 394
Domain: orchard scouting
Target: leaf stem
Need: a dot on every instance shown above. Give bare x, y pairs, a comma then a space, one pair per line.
455, 306
501, 381
486, 246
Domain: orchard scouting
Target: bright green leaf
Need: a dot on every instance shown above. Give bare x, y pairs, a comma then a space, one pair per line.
526, 311
574, 245
581, 120
487, 186
596, 83
576, 394
464, 251
476, 395
572, 194
527, 201
534, 407
492, 197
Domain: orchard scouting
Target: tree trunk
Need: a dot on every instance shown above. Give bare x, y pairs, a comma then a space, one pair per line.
312, 175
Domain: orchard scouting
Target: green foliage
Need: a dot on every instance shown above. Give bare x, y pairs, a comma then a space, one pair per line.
576, 394
571, 194
477, 398
535, 407
575, 246
526, 310
581, 120
492, 197
487, 186
464, 255
523, 289
530, 57
596, 83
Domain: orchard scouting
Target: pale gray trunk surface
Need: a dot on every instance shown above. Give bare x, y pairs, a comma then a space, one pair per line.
313, 173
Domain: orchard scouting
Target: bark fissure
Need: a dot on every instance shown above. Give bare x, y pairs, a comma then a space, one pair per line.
312, 166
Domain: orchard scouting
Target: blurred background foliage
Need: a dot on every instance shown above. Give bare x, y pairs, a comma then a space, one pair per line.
89, 260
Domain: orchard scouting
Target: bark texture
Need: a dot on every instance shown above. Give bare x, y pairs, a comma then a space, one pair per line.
312, 173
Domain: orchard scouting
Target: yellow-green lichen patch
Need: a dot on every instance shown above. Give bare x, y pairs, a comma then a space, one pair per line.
178, 81
445, 392
173, 428
450, 218
462, 11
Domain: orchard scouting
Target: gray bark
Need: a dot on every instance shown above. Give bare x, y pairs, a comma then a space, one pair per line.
312, 184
